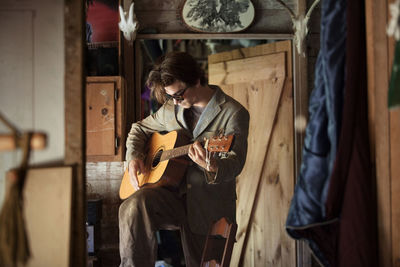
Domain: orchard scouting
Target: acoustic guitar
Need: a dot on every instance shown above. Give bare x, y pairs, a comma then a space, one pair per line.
164, 162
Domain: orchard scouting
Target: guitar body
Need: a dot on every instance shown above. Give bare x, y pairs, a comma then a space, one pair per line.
167, 173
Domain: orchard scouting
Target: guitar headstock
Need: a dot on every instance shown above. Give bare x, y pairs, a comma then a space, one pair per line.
220, 143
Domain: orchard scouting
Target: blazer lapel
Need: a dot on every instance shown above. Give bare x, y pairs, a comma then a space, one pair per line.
210, 112
180, 119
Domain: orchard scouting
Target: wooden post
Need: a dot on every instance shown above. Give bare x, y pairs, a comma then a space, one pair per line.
75, 121
379, 120
300, 111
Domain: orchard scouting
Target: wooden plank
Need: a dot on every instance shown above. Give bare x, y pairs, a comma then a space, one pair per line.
75, 121
169, 21
100, 117
283, 185
256, 253
254, 96
236, 71
395, 167
268, 244
394, 131
176, 4
260, 126
221, 36
395, 183
47, 206
128, 87
165, 16
378, 118
273, 247
273, 4
138, 82
259, 50
160, 6
301, 112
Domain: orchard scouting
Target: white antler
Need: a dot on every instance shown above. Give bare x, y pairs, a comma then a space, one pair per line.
122, 23
393, 28
130, 26
299, 26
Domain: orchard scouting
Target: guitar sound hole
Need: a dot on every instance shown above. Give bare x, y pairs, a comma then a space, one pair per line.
156, 159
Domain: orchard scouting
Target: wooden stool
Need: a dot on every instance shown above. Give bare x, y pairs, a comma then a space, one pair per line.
219, 244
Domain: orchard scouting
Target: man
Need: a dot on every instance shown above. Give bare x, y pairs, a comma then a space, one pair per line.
208, 190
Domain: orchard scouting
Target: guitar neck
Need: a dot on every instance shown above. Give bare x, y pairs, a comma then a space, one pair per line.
174, 153
215, 144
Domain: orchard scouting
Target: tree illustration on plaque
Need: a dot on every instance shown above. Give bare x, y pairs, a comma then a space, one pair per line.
218, 15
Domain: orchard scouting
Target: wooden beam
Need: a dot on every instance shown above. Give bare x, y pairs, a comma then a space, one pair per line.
300, 112
378, 119
75, 121
394, 132
220, 36
395, 183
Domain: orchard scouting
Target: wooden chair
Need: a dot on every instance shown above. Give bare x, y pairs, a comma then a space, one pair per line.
219, 244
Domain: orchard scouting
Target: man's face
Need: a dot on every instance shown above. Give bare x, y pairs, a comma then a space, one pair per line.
181, 94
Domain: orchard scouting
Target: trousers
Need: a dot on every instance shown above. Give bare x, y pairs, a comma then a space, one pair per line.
147, 211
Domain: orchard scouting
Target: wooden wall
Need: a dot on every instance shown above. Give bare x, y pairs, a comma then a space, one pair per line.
31, 74
384, 131
103, 180
163, 16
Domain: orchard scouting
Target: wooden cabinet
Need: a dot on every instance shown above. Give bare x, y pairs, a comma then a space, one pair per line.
105, 131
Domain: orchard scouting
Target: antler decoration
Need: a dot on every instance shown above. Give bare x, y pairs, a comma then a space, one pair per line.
128, 26
393, 28
299, 25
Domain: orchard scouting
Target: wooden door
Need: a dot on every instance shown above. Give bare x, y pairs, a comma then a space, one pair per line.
104, 118
260, 78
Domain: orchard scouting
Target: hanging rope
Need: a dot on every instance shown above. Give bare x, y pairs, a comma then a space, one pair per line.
14, 246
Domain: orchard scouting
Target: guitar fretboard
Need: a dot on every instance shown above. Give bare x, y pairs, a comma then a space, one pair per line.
174, 153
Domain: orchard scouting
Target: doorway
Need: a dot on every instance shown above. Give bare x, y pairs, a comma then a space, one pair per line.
262, 240
260, 76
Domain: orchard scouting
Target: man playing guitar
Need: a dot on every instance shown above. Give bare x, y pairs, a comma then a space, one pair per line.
208, 189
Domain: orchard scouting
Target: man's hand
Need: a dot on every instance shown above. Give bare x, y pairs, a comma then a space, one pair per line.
198, 154
135, 166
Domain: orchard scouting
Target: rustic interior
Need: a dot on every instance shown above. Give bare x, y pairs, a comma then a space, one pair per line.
97, 166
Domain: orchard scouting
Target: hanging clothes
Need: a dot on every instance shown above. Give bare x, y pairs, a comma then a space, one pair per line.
325, 113
345, 232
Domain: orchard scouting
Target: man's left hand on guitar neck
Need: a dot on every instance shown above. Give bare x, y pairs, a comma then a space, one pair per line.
198, 154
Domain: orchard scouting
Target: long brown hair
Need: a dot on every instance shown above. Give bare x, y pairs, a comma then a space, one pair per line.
174, 66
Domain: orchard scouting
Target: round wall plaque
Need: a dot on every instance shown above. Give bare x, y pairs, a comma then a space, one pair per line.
218, 15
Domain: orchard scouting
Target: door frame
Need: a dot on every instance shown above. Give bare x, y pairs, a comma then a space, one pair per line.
75, 117
75, 124
300, 94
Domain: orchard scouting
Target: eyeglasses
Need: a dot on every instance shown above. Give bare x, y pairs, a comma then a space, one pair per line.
177, 96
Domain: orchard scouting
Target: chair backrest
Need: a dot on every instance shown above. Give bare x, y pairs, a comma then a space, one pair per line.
219, 244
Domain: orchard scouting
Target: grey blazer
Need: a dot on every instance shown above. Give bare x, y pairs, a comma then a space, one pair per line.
207, 199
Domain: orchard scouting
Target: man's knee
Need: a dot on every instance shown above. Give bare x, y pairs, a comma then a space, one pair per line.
134, 203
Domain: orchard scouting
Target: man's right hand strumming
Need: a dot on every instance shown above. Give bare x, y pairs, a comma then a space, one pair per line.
136, 166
